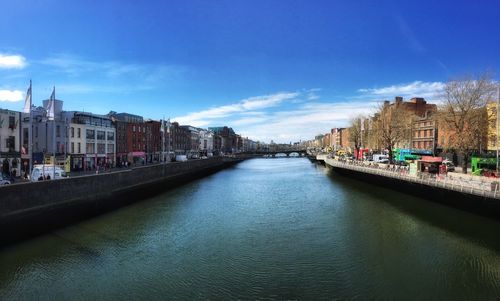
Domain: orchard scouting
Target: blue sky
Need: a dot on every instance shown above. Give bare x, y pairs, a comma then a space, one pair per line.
275, 69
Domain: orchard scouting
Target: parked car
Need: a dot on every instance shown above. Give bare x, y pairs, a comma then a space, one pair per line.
4, 181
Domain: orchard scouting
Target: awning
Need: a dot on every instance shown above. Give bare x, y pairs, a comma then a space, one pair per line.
431, 159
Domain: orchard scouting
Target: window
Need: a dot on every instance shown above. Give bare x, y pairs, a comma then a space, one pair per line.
72, 132
72, 147
79, 133
111, 148
79, 147
90, 134
101, 148
12, 122
10, 143
101, 135
111, 136
36, 132
90, 148
133, 128
25, 139
58, 131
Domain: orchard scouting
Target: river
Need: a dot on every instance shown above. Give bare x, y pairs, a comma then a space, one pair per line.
279, 228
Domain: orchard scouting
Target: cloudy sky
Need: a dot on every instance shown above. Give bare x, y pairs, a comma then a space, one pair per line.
281, 70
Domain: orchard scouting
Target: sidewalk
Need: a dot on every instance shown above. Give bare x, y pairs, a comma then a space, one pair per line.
453, 181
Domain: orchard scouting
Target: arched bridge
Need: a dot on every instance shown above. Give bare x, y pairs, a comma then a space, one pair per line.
273, 153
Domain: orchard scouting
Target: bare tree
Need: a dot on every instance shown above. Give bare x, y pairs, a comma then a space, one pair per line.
463, 114
392, 124
355, 133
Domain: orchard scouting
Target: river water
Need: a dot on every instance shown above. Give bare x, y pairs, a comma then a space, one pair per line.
264, 229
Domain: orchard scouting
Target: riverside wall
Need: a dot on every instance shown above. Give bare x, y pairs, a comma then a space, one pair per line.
480, 204
32, 208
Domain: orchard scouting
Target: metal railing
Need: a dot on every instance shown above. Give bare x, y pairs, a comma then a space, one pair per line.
465, 184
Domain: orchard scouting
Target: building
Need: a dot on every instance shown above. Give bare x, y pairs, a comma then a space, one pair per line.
194, 140
77, 143
422, 129
125, 136
180, 140
327, 141
249, 145
153, 140
206, 142
10, 142
424, 133
336, 141
49, 136
92, 141
225, 140
491, 109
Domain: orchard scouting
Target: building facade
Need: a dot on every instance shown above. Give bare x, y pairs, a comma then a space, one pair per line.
179, 140
10, 142
225, 140
93, 145
153, 141
206, 142
49, 136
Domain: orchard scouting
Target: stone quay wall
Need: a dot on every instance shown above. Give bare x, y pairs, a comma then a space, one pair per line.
27, 208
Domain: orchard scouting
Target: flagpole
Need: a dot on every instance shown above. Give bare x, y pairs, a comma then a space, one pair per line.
54, 134
30, 132
163, 140
168, 145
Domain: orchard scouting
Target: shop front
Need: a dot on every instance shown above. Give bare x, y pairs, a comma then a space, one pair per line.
76, 162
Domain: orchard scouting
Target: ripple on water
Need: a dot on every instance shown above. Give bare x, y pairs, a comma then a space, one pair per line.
266, 229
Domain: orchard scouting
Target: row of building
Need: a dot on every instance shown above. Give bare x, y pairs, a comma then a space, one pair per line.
85, 141
423, 131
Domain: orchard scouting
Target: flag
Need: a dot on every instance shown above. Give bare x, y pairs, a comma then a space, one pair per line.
28, 100
51, 105
168, 125
162, 128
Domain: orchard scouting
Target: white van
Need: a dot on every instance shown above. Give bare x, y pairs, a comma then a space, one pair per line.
181, 158
379, 158
48, 170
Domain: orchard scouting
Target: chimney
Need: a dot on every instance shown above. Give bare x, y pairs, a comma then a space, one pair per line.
398, 99
418, 100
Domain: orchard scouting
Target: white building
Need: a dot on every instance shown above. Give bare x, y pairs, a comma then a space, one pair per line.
92, 141
49, 136
10, 142
206, 142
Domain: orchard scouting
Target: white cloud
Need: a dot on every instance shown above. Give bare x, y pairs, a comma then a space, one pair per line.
303, 122
12, 61
428, 90
243, 106
11, 95
75, 66
280, 117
